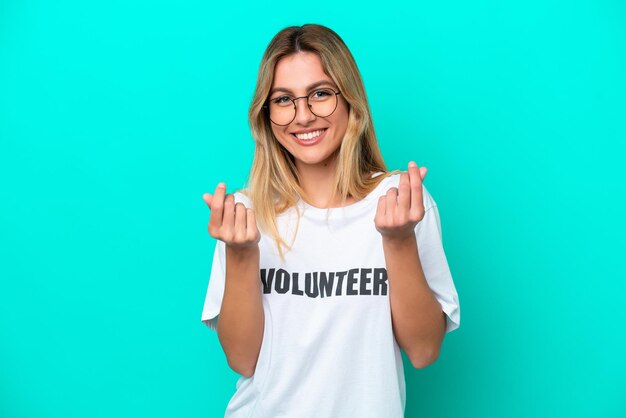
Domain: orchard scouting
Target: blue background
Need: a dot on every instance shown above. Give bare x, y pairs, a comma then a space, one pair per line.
115, 118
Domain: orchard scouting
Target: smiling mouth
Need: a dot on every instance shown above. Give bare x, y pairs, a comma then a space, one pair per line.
310, 136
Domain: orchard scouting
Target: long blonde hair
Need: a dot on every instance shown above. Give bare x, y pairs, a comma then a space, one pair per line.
273, 184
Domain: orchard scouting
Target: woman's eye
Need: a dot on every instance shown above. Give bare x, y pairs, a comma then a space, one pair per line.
320, 94
281, 100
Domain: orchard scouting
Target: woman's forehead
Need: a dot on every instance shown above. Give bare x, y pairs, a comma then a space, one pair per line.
299, 71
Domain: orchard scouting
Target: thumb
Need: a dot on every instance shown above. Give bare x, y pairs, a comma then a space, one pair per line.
208, 198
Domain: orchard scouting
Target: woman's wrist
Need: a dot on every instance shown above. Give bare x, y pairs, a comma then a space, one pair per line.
242, 252
399, 241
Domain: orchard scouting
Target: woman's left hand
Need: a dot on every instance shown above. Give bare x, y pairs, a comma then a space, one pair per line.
401, 209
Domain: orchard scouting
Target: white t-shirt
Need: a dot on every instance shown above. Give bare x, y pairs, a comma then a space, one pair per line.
328, 346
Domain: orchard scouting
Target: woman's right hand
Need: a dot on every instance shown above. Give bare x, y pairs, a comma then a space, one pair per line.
234, 224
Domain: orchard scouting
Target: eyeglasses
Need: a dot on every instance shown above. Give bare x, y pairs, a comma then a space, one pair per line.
282, 110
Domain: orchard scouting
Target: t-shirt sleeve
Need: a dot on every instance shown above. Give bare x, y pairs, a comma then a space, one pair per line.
215, 291
435, 264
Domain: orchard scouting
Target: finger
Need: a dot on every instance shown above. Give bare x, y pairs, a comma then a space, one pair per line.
380, 210
417, 201
240, 222
217, 206
251, 228
228, 223
391, 205
404, 193
423, 171
207, 197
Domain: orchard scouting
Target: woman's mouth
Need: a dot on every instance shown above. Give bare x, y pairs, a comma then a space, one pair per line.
310, 138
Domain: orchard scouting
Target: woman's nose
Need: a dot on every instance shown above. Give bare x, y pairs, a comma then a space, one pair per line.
303, 113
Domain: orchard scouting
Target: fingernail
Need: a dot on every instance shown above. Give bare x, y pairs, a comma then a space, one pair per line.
221, 185
412, 164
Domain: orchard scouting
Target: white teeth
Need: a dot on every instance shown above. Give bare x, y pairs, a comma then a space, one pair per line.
310, 135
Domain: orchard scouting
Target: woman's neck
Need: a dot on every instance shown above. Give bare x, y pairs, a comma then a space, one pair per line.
317, 180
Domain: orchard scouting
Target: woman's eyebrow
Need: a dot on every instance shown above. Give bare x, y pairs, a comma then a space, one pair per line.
312, 86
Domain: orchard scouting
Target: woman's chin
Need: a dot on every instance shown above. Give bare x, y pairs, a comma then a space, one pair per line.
315, 160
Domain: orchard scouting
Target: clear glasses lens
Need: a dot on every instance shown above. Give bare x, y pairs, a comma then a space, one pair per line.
322, 103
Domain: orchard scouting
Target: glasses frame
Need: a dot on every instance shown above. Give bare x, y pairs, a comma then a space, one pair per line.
267, 106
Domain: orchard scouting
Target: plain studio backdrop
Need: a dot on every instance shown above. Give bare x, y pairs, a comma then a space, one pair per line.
115, 118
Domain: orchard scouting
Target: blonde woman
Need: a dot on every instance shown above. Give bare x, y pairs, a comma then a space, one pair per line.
326, 264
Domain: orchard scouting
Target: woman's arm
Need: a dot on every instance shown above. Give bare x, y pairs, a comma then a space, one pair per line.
419, 322
241, 319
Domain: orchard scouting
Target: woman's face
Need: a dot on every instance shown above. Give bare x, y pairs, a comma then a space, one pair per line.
293, 76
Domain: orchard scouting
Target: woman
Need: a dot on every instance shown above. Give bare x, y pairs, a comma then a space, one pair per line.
315, 325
